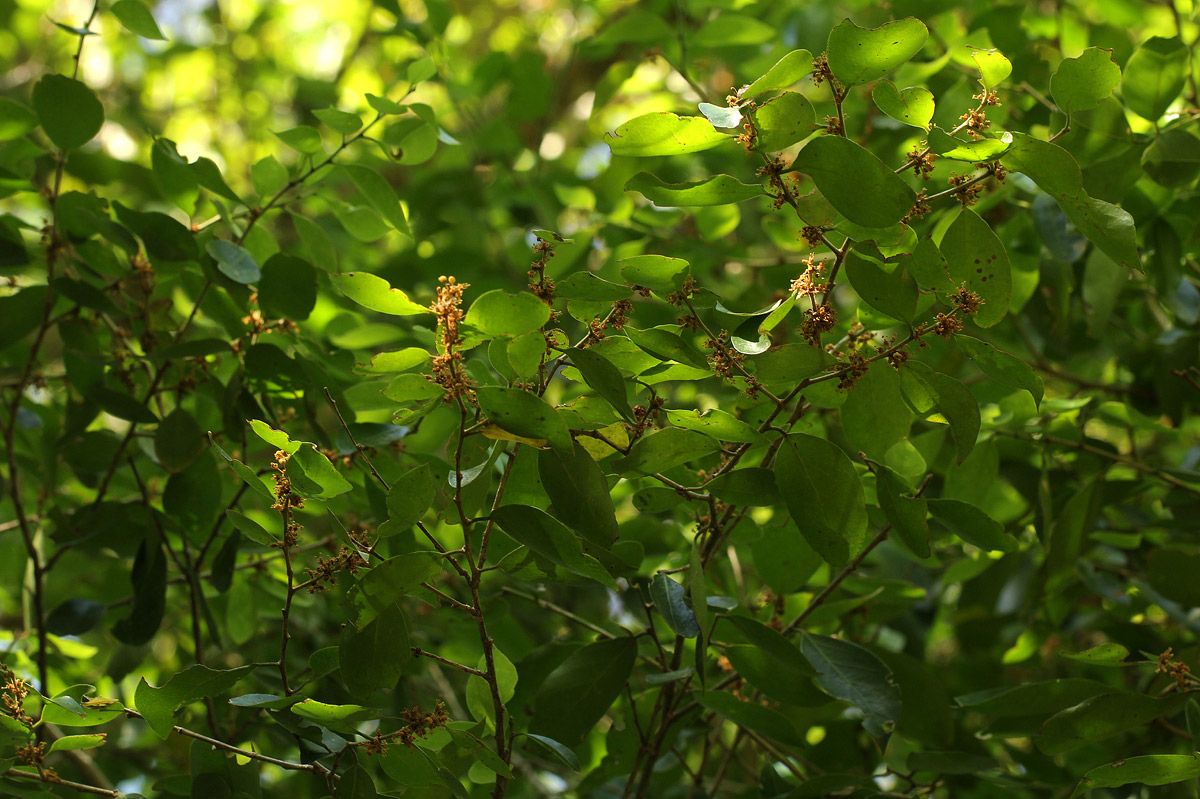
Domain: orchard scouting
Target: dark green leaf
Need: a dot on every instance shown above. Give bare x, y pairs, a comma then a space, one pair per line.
136, 17
824, 495
860, 186
667, 596
372, 656
524, 414
783, 121
385, 583
579, 692
158, 705
551, 539
1154, 76
579, 494
717, 190
855, 675
408, 498
68, 110
665, 449
972, 525
786, 71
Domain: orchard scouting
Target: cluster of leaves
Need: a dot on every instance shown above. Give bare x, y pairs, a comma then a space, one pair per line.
459, 449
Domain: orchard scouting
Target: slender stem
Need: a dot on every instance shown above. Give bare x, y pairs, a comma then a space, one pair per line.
13, 773
421, 653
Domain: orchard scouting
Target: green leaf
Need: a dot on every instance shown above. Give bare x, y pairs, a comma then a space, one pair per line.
599, 373
173, 174
855, 675
379, 194
786, 71
557, 750
136, 17
1142, 769
887, 286
376, 294
15, 119
1154, 76
312, 474
385, 583
75, 616
1036, 698
178, 440
338, 717
524, 414
993, 67
408, 498
1055, 172
904, 512
1006, 369
340, 121
733, 30
71, 742
1173, 158
302, 138
578, 492
861, 55
985, 149
667, 346
1168, 572
659, 272
668, 598
1101, 716
68, 111
372, 657
975, 256
149, 580
587, 286
912, 106
874, 416
121, 405
551, 539
287, 288
956, 403
1081, 83
860, 186
753, 716
719, 424
269, 176
664, 449
972, 525
824, 495
783, 654
498, 313
664, 133
479, 693
234, 261
749, 486
1102, 655
717, 190
577, 694
720, 116
783, 121
158, 705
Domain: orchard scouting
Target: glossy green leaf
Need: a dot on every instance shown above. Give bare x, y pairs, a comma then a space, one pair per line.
888, 287
824, 495
666, 345
993, 67
498, 313
659, 272
1143, 769
72, 742
288, 287
343, 122
562, 753
912, 106
861, 55
524, 414
379, 194
136, 17
302, 138
551, 539
750, 486
314, 476
783, 121
68, 111
855, 675
664, 449
599, 373
1154, 76
874, 416
589, 287
904, 512
855, 181
717, 190
664, 133
579, 692
158, 705
985, 149
376, 294
786, 71
1081, 83
717, 423
269, 176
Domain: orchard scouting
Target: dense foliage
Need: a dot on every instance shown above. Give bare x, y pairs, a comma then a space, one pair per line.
673, 399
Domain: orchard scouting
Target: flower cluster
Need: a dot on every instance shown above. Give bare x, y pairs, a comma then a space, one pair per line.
921, 161
447, 365
817, 321
324, 576
977, 122
724, 361
806, 285
539, 284
615, 320
417, 724
12, 696
966, 300
969, 192
1170, 665
947, 325
286, 501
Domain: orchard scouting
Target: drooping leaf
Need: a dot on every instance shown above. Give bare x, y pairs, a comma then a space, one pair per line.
578, 492
824, 495
972, 525
874, 416
551, 539
372, 656
753, 716
385, 583
1101, 716
1002, 367
408, 498
234, 261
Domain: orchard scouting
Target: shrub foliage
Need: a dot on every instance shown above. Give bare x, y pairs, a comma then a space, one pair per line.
672, 400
